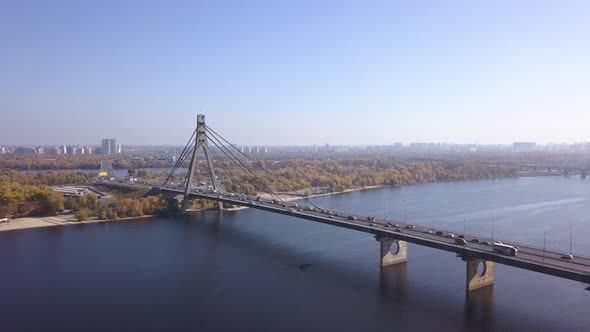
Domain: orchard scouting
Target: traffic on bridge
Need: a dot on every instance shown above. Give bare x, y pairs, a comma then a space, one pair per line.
393, 235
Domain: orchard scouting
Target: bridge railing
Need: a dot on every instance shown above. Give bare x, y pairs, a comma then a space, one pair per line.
403, 223
480, 237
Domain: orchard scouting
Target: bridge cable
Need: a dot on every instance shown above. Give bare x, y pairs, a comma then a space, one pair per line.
264, 169
178, 164
183, 155
242, 166
181, 159
227, 169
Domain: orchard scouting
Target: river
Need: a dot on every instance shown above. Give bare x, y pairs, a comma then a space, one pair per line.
236, 271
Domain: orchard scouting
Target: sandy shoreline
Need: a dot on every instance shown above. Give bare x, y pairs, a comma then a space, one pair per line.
62, 220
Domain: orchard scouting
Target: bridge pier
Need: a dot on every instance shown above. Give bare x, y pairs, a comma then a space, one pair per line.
477, 280
392, 251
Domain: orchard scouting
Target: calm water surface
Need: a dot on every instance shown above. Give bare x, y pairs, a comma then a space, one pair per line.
236, 271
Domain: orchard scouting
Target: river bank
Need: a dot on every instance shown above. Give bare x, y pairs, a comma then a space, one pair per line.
61, 220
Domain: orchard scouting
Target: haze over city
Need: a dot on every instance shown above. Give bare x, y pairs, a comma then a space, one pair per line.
295, 73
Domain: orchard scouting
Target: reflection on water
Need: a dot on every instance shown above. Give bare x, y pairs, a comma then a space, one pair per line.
479, 306
251, 270
393, 282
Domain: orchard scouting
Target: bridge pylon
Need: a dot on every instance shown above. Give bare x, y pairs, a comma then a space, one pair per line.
200, 142
392, 251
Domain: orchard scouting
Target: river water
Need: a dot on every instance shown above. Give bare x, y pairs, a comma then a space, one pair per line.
236, 271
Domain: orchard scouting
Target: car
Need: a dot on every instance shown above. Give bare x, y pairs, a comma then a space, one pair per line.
439, 233
427, 231
407, 227
451, 235
567, 257
331, 216
372, 224
370, 218
485, 243
461, 236
351, 218
337, 214
474, 240
388, 224
396, 225
398, 230
460, 241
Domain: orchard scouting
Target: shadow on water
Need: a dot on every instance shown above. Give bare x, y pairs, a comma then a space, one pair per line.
395, 290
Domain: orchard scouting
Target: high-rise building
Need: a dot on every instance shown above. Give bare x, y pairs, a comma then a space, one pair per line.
109, 146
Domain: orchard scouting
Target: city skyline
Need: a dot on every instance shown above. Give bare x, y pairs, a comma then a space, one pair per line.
364, 73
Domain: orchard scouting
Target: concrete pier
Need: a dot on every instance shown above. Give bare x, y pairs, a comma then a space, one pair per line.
392, 251
476, 280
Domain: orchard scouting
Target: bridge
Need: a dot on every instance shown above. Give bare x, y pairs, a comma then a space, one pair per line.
393, 235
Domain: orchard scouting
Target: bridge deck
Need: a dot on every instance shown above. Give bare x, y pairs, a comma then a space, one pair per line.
529, 258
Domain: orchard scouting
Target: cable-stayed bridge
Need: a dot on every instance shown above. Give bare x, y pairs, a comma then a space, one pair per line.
393, 235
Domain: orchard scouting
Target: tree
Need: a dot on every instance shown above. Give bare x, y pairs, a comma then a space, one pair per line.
82, 215
89, 201
103, 214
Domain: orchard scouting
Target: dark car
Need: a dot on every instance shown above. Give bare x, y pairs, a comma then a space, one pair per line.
351, 218
460, 241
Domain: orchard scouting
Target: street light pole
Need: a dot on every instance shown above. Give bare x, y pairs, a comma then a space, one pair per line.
464, 225
544, 244
492, 227
570, 239
433, 218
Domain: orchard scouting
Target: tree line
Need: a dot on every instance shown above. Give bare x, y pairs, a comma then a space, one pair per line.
88, 206
345, 173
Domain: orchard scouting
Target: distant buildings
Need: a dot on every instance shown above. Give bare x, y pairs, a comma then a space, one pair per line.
49, 150
252, 150
524, 146
109, 146
25, 150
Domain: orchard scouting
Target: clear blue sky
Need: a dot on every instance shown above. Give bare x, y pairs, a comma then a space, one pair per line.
295, 72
